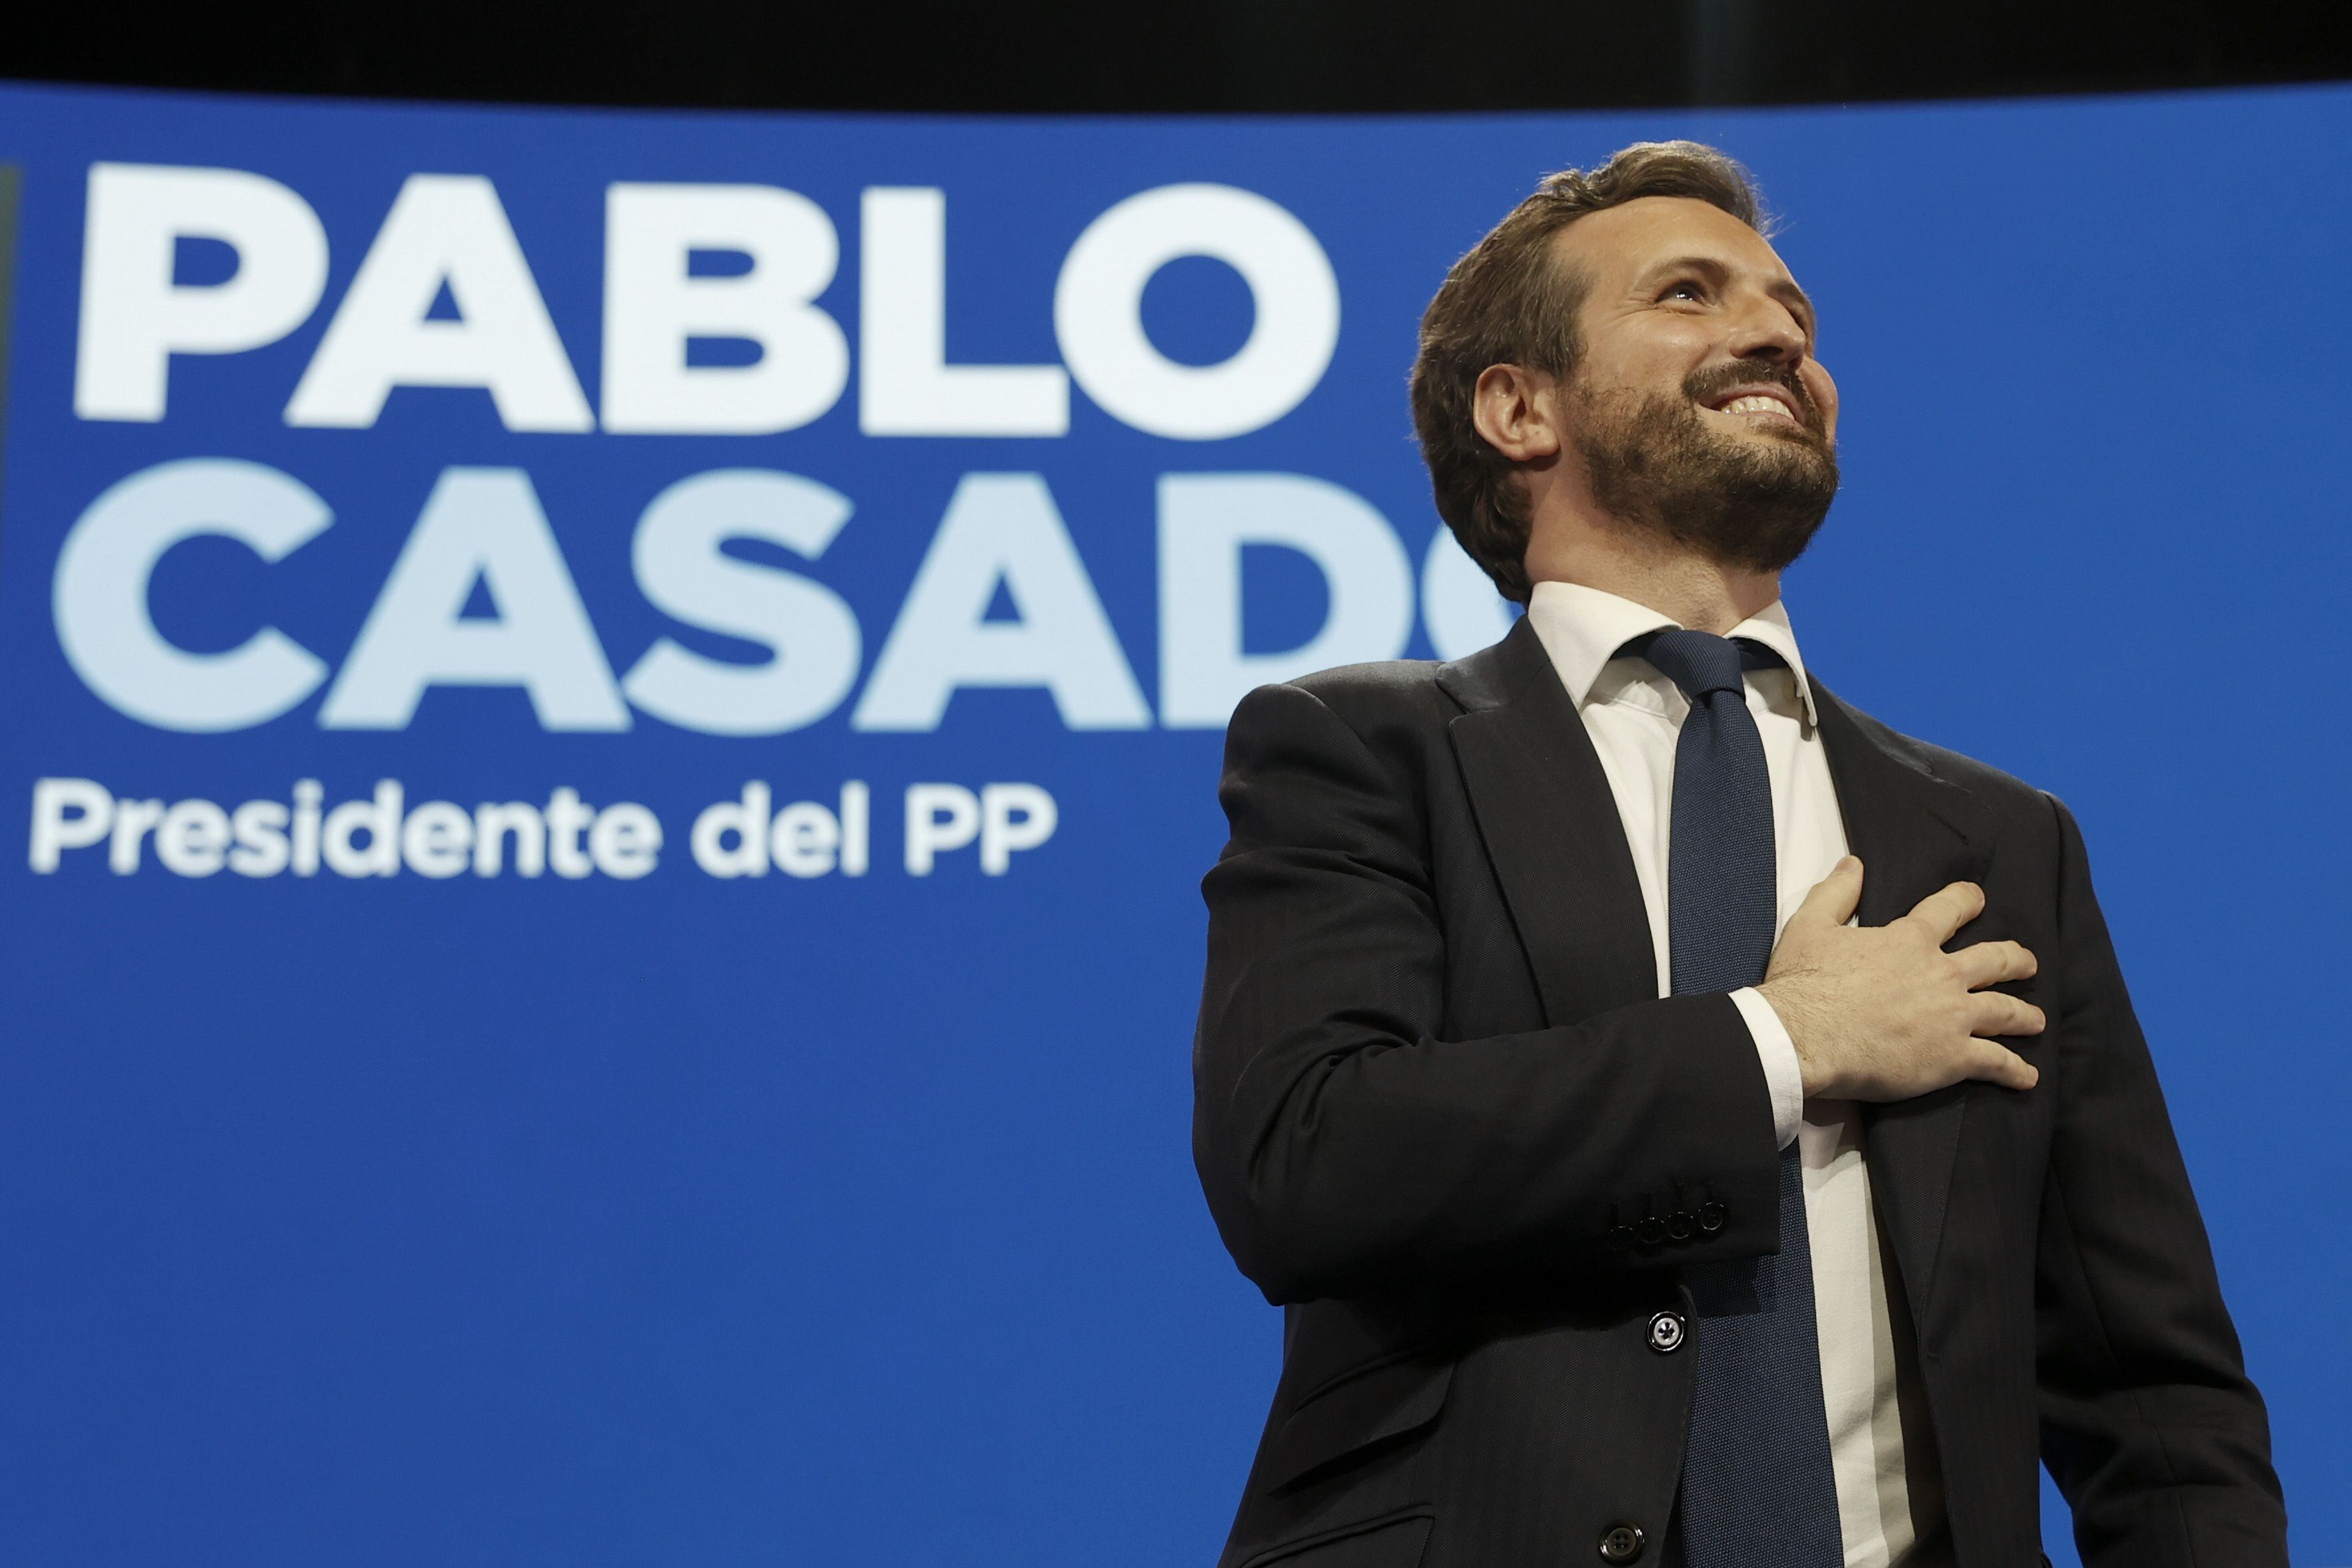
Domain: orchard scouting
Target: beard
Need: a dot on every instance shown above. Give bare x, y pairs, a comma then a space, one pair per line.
1657, 468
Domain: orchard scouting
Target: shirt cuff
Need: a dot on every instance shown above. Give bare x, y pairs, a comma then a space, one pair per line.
1777, 1053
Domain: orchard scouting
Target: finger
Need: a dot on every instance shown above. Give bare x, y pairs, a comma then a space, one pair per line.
1991, 1063
1945, 910
1833, 899
1994, 1013
1986, 964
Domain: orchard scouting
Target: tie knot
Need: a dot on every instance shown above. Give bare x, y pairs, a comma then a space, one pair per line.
1701, 662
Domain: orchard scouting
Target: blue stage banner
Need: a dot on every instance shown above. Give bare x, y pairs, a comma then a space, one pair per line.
612, 720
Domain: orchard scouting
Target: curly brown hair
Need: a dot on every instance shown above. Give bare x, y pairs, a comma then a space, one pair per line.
1508, 303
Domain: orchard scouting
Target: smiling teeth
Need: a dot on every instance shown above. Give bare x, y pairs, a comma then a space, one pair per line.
1757, 405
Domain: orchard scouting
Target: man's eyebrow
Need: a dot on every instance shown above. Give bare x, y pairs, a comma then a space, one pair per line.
1713, 268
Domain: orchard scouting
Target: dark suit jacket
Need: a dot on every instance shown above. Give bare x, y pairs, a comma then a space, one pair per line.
1437, 1097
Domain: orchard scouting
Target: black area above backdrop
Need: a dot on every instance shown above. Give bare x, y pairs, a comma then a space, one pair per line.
1202, 56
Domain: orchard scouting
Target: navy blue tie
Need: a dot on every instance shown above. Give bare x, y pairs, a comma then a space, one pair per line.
1756, 1488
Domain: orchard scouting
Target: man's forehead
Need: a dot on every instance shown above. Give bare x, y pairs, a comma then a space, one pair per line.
1621, 242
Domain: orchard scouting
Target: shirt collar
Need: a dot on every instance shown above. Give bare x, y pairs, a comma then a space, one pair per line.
1582, 628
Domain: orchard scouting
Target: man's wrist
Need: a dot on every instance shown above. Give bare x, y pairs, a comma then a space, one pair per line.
1800, 1014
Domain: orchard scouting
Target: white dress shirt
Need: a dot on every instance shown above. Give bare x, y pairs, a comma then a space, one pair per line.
1634, 716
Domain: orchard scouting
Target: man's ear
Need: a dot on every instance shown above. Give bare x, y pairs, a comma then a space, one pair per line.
1516, 410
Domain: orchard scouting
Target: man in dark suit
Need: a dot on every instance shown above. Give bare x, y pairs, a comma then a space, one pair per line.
1685, 1120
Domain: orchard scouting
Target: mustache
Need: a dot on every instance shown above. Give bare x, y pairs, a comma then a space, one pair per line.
1705, 386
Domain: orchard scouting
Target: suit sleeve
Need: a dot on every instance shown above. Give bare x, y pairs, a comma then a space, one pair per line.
1344, 1148
2150, 1424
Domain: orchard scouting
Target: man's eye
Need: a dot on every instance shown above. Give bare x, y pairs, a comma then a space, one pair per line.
1689, 289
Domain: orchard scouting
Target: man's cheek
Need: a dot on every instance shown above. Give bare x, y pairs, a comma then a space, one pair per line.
1825, 394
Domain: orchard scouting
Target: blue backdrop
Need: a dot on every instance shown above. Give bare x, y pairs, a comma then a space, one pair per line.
615, 719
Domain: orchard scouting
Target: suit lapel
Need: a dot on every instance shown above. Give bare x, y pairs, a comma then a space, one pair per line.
1913, 833
1551, 829
1550, 826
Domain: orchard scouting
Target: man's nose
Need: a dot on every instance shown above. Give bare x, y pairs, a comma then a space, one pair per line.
1766, 330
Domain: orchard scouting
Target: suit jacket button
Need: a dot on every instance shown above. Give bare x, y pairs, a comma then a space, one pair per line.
1666, 1333
1681, 1224
1621, 1543
1711, 1216
1652, 1230
1621, 1238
